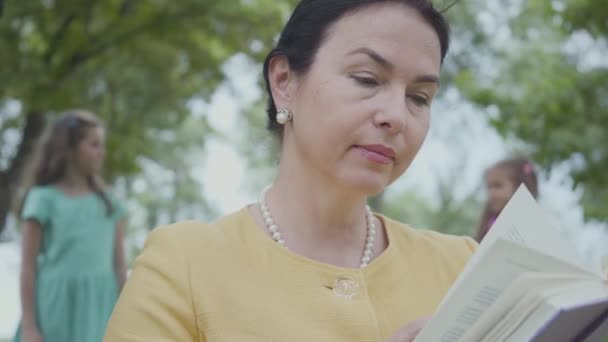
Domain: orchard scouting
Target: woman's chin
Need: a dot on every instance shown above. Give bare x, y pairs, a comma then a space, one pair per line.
368, 186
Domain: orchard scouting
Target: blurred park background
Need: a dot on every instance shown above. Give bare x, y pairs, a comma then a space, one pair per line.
178, 84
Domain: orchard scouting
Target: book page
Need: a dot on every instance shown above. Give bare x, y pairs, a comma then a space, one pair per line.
530, 302
523, 325
517, 300
564, 315
524, 223
501, 266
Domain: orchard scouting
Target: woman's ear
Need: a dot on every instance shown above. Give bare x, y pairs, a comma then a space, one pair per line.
282, 81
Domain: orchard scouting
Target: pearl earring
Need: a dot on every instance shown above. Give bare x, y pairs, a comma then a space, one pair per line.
284, 115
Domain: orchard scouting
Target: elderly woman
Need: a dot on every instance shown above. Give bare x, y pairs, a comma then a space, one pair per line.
350, 87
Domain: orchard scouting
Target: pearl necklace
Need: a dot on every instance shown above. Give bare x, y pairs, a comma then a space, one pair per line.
276, 235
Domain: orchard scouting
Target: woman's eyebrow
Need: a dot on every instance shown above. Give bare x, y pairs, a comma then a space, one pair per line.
384, 63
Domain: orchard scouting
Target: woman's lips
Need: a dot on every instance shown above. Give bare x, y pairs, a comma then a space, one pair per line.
381, 154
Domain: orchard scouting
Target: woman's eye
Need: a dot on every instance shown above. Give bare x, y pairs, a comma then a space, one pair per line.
420, 100
365, 81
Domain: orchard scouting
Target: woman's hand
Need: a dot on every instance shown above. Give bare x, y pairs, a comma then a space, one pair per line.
408, 332
31, 335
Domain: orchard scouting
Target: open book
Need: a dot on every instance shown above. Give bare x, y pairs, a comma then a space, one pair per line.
524, 283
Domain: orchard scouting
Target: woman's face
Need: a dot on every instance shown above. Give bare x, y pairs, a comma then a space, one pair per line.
500, 188
90, 152
362, 111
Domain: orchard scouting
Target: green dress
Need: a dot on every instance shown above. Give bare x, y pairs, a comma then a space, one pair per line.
76, 286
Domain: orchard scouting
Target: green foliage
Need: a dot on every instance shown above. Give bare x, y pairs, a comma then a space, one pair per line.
259, 146
549, 96
168, 190
136, 63
446, 213
450, 216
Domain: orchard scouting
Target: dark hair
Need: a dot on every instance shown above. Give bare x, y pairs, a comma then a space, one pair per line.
310, 21
63, 135
521, 171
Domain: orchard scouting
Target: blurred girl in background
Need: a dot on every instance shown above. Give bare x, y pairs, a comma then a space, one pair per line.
73, 263
501, 181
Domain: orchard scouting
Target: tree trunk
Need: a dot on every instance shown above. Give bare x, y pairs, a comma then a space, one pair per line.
11, 178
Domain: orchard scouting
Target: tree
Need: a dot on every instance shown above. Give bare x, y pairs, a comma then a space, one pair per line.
135, 63
544, 87
167, 190
447, 215
444, 210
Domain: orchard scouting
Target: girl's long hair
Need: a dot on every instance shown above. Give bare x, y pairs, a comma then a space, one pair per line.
521, 171
62, 137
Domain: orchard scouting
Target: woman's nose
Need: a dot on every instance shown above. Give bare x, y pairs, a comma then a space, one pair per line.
393, 114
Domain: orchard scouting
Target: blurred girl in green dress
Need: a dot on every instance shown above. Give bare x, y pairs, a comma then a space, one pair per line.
73, 263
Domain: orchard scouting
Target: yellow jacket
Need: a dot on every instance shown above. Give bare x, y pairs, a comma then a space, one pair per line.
228, 281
